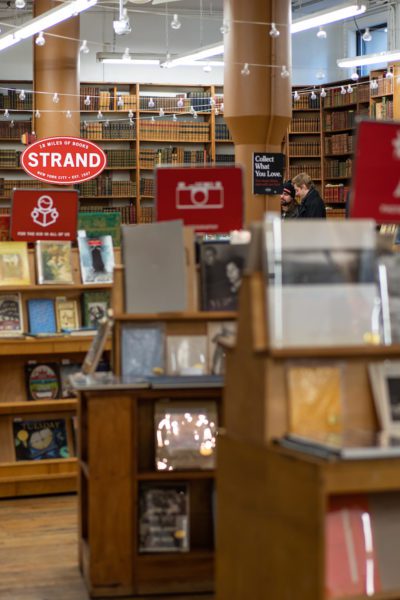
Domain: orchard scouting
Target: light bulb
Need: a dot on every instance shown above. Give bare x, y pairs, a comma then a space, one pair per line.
191, 109
389, 74
349, 89
22, 95
222, 107
224, 28
40, 39
86, 101
245, 71
174, 118
175, 23
161, 113
99, 115
84, 47
6, 114
151, 103
120, 102
180, 103
37, 114
284, 72
366, 36
207, 68
212, 101
321, 33
320, 75
343, 90
152, 120
323, 93
355, 76
12, 124
85, 124
273, 32
56, 98
130, 114
195, 115
126, 55
131, 122
313, 95
216, 111
20, 3
296, 96
68, 114
106, 123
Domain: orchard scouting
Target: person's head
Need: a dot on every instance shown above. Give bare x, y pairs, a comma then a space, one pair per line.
210, 255
234, 268
288, 195
302, 184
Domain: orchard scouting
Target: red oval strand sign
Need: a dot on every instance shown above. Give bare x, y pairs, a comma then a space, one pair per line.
63, 160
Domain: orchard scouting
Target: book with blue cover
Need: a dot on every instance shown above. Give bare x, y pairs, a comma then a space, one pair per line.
42, 315
142, 350
39, 439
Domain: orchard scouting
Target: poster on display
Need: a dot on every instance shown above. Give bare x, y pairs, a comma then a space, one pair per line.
377, 155
44, 215
208, 198
267, 172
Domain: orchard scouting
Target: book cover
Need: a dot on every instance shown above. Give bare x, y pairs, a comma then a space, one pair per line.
185, 433
218, 331
314, 270
186, 354
95, 305
315, 398
142, 349
66, 313
164, 517
42, 315
67, 369
385, 384
93, 355
97, 224
96, 257
155, 275
221, 270
40, 439
53, 261
11, 322
42, 380
14, 263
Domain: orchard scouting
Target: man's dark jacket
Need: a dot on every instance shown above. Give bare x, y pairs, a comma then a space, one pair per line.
312, 206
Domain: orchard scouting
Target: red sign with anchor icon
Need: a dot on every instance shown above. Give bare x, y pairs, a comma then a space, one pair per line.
44, 215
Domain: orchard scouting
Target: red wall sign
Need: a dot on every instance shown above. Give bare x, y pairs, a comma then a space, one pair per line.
44, 215
376, 179
209, 198
63, 160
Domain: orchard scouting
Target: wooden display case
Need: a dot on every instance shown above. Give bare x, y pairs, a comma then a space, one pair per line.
19, 478
273, 502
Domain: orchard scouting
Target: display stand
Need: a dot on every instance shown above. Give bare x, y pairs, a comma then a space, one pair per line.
272, 502
117, 456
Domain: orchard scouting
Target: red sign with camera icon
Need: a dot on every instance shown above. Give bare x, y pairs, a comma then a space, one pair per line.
44, 215
208, 198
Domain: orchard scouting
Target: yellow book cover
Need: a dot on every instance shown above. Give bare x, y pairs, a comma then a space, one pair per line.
66, 313
53, 261
14, 264
315, 398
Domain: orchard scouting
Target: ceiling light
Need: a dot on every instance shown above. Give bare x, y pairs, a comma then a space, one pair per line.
324, 17
44, 21
40, 40
115, 58
369, 59
20, 3
122, 26
321, 33
201, 54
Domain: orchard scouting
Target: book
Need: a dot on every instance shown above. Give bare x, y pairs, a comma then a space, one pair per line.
42, 316
221, 270
186, 354
42, 380
185, 433
66, 313
5, 228
142, 349
96, 257
96, 224
347, 445
68, 368
161, 382
164, 517
315, 398
315, 269
385, 384
218, 331
14, 264
93, 355
95, 305
11, 320
40, 439
53, 262
154, 259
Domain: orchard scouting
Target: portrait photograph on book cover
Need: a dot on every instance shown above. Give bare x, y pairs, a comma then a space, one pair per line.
96, 258
322, 289
221, 270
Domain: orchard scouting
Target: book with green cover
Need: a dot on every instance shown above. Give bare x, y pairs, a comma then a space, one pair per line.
98, 223
94, 307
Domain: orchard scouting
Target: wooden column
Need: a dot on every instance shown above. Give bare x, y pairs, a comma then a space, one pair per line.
257, 106
56, 69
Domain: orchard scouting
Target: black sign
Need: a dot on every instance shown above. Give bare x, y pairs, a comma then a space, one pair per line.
267, 173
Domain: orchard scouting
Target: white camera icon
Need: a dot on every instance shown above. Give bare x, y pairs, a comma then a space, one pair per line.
201, 194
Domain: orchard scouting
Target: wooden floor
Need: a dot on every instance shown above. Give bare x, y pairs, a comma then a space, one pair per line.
38, 550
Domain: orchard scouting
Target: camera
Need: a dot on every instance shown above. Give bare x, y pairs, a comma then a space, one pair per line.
201, 194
